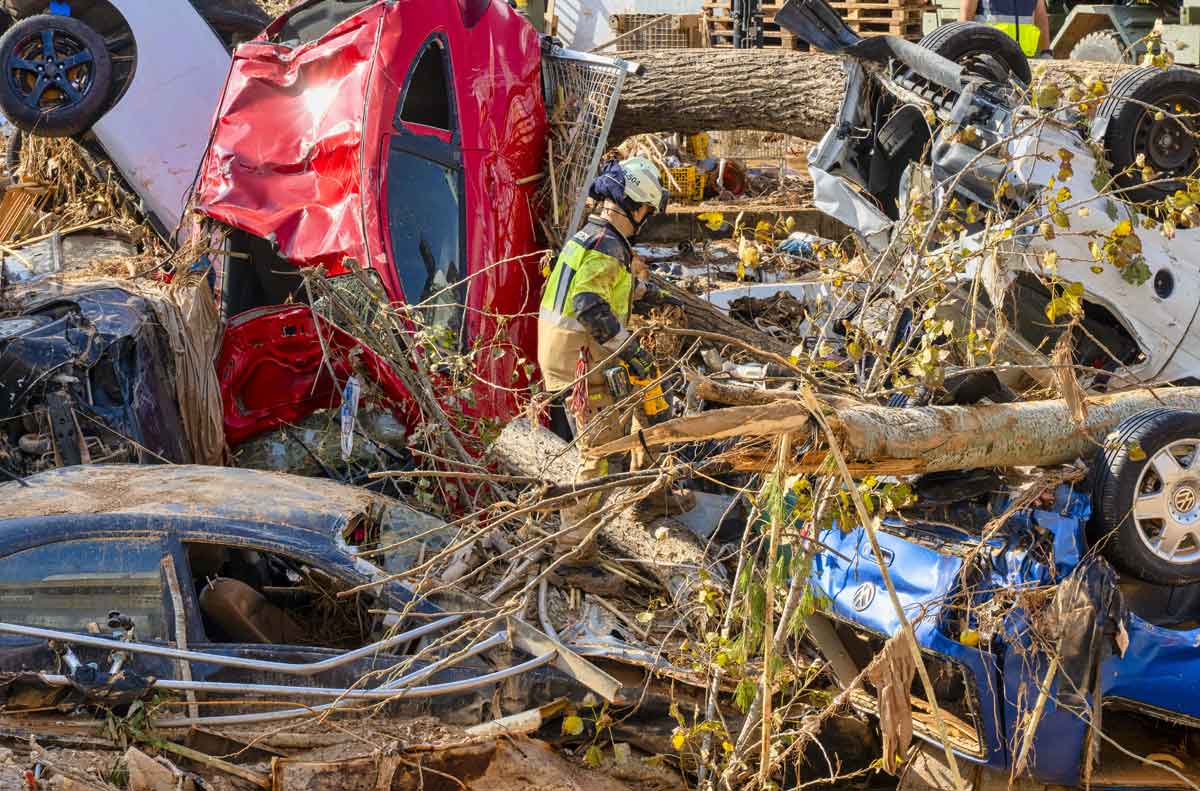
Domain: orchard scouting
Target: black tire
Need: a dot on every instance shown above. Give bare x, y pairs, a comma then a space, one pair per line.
1120, 480
26, 96
1127, 118
980, 48
236, 22
12, 153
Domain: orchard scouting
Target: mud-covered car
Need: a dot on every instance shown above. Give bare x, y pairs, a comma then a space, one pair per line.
120, 580
1026, 169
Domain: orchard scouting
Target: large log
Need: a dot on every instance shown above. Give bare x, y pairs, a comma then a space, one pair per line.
931, 439
771, 90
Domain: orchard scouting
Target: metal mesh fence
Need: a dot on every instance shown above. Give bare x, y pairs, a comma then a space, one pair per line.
581, 97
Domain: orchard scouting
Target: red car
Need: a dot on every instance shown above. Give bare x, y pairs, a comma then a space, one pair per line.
400, 135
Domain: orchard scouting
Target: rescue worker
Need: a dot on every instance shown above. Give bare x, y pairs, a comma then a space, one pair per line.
583, 320
1025, 21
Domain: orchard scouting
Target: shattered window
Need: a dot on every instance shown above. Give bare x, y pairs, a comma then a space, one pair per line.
253, 596
69, 584
427, 99
424, 218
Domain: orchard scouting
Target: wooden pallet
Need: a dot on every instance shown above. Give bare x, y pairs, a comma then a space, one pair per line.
867, 17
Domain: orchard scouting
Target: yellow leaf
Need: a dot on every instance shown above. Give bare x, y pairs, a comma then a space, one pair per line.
1050, 259
727, 747
593, 756
969, 638
1124, 228
1063, 195
1098, 270
678, 739
1047, 230
645, 617
712, 219
572, 725
854, 350
1136, 453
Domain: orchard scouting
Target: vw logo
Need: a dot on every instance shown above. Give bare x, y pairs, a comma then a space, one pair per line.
1184, 499
863, 596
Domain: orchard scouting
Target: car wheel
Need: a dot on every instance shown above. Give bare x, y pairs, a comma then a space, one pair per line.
57, 75
1133, 126
1103, 46
981, 49
1146, 500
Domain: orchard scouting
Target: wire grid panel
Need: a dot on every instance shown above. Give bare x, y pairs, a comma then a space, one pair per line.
581, 99
661, 31
747, 144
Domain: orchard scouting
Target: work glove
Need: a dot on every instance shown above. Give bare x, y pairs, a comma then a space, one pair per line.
654, 297
640, 363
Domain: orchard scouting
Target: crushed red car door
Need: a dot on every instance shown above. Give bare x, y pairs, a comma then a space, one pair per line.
273, 370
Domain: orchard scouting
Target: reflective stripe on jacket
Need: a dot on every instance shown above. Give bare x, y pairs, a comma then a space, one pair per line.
595, 260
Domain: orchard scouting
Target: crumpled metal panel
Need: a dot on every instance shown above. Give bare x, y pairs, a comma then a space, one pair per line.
286, 155
1158, 666
299, 157
275, 371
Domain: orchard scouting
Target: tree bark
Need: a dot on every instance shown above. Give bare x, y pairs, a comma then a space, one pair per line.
930, 439
770, 90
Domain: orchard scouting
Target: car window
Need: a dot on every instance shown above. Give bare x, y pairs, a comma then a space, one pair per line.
68, 584
426, 99
424, 216
248, 595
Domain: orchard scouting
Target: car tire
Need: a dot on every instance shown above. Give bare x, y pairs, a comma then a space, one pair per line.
1126, 118
12, 153
964, 42
1140, 465
235, 22
1103, 46
23, 101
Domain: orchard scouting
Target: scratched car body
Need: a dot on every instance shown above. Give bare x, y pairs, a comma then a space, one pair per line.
985, 650
243, 568
883, 156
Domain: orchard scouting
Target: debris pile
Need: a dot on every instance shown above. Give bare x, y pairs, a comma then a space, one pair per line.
290, 504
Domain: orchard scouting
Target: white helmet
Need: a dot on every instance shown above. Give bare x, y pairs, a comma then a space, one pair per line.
642, 184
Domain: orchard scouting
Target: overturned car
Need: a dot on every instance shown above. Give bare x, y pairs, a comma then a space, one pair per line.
943, 130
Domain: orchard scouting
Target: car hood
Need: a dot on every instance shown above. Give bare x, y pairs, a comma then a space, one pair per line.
185, 490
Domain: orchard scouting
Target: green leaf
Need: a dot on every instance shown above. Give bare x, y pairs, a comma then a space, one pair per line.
744, 695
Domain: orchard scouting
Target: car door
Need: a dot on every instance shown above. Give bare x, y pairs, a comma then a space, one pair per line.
263, 601
75, 579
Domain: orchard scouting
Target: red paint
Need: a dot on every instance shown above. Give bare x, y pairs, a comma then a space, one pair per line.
300, 155
273, 360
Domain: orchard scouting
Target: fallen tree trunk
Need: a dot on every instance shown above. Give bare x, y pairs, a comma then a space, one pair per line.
771, 90
930, 439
